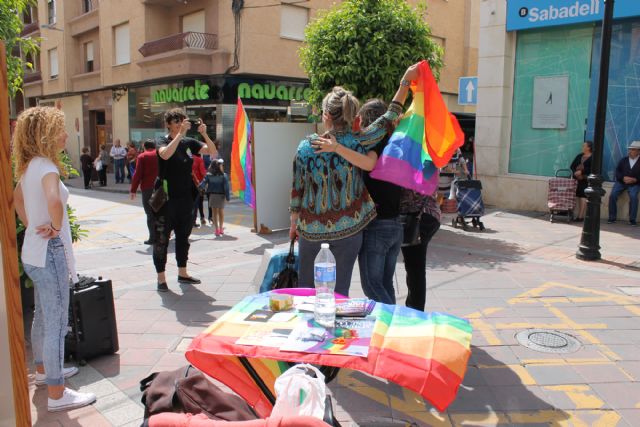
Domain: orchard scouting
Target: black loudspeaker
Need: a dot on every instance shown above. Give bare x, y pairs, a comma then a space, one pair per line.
92, 320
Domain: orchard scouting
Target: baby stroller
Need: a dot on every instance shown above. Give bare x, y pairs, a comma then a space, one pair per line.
470, 205
561, 198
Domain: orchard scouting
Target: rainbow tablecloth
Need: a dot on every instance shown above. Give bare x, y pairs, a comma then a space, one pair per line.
424, 352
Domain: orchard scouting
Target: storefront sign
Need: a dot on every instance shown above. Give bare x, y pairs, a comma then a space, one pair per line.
526, 14
197, 91
271, 91
550, 102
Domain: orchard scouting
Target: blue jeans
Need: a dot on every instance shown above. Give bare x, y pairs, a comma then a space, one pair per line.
52, 311
619, 188
118, 165
381, 242
345, 251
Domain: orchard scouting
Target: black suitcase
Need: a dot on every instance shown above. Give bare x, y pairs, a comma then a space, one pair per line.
92, 327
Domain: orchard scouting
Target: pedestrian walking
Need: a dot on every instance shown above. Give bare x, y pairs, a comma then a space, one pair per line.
47, 253
101, 163
217, 190
174, 168
132, 154
145, 176
118, 153
198, 172
86, 164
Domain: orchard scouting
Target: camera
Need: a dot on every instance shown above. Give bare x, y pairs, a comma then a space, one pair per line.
195, 123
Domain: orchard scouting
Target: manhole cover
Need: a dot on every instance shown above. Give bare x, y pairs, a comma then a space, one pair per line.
548, 341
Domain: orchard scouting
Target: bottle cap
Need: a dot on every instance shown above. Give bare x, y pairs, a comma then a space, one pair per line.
324, 246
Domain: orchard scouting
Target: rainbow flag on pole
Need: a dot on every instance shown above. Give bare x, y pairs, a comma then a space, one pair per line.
425, 139
241, 162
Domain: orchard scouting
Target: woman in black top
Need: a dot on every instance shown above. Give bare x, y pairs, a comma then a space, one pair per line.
174, 169
581, 168
86, 163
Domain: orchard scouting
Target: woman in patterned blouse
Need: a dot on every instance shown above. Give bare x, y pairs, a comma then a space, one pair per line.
329, 201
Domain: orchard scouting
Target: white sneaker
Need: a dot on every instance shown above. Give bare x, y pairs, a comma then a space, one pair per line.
41, 379
70, 399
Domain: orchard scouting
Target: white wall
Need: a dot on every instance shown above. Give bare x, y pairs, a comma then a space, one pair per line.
72, 107
274, 148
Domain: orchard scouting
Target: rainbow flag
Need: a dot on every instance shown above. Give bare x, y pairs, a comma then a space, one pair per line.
424, 140
241, 162
423, 352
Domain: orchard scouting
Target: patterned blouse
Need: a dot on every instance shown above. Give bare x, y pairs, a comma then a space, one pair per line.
328, 192
413, 202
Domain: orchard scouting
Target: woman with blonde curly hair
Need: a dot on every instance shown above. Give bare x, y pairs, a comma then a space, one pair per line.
47, 254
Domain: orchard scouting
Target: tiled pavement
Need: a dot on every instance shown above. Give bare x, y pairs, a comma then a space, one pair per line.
520, 273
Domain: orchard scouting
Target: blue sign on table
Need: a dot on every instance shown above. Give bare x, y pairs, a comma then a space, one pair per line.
467, 90
526, 14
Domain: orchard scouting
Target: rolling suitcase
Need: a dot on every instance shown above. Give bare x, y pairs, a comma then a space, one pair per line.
92, 329
561, 198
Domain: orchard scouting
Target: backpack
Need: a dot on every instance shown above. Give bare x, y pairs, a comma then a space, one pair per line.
187, 390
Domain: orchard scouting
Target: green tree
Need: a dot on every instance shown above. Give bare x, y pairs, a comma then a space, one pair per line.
10, 29
365, 46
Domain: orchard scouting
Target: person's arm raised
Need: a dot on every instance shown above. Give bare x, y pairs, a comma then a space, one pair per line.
168, 150
330, 145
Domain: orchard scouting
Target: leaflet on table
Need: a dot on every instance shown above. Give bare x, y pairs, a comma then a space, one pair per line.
265, 335
357, 307
350, 337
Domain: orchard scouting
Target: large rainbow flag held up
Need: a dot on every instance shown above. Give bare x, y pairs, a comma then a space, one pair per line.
425, 139
241, 162
423, 352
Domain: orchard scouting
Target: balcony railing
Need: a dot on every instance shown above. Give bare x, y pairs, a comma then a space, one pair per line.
31, 77
29, 28
179, 41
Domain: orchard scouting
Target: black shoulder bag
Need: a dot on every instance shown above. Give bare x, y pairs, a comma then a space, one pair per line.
287, 278
158, 197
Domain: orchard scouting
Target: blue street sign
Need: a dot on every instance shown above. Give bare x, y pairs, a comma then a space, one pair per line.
467, 90
526, 14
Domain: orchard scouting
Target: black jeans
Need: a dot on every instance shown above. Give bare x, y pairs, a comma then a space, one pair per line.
102, 174
175, 215
415, 263
86, 174
146, 195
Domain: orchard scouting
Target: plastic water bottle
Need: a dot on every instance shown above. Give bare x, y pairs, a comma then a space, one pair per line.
324, 269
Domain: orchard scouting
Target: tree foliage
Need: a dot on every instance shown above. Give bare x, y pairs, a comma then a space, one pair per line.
10, 29
365, 46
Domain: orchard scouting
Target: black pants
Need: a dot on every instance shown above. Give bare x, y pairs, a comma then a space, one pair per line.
198, 205
415, 263
146, 195
175, 215
86, 174
102, 175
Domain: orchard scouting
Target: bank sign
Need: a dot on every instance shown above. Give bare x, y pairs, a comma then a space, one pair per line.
527, 14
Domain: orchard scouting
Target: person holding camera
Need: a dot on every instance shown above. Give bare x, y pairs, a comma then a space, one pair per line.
175, 151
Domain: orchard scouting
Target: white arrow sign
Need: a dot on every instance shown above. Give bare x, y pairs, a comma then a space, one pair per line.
470, 88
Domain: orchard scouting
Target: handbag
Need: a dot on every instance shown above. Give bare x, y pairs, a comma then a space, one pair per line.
159, 197
288, 277
411, 228
202, 187
98, 164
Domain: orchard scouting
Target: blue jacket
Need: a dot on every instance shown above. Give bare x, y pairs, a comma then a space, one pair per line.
624, 169
217, 184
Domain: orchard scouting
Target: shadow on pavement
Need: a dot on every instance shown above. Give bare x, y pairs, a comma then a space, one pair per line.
449, 249
491, 394
194, 310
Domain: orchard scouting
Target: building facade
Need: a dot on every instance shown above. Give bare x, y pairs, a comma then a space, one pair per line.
115, 66
538, 79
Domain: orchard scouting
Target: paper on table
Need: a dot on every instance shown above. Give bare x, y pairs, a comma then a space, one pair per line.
265, 335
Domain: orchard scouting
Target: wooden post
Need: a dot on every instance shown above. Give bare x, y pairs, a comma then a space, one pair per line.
10, 261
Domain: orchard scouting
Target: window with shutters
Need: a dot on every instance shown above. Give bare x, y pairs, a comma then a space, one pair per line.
122, 43
53, 63
293, 20
88, 57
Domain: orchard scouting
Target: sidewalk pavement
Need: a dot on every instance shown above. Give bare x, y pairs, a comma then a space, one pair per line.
520, 273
